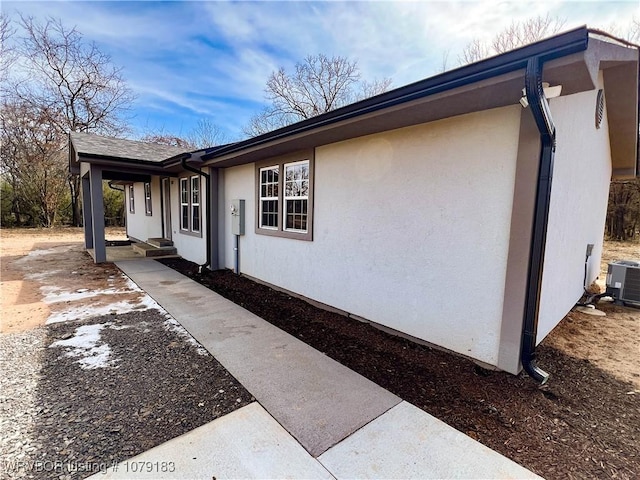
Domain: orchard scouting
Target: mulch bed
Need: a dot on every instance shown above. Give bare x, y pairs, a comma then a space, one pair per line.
583, 424
159, 387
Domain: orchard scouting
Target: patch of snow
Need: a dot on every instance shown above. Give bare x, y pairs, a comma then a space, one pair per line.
84, 312
149, 303
56, 295
172, 325
39, 276
131, 284
43, 252
87, 347
120, 327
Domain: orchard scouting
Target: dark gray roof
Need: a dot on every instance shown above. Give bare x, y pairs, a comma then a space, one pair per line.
95, 145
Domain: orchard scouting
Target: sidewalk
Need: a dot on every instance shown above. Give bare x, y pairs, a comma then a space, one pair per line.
314, 418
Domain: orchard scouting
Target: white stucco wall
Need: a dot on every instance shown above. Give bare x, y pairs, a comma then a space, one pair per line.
189, 246
579, 193
140, 225
411, 229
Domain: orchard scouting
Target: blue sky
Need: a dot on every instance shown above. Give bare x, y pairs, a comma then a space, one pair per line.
211, 59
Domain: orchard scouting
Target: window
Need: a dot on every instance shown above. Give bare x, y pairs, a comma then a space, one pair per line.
195, 204
296, 196
269, 197
184, 204
284, 197
147, 198
132, 205
190, 210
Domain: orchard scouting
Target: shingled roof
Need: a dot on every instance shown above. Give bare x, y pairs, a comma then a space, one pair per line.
88, 144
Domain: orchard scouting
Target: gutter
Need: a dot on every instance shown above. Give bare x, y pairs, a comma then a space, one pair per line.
113, 187
544, 122
183, 162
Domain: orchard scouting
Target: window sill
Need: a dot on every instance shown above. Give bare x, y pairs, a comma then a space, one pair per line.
305, 236
189, 233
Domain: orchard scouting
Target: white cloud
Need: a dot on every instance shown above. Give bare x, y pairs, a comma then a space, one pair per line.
213, 58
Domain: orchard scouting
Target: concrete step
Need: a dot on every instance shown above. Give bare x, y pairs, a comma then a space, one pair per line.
159, 242
147, 250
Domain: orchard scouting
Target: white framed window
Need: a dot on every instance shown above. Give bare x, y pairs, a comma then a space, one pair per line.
269, 187
195, 204
296, 196
132, 202
190, 205
284, 196
147, 199
184, 204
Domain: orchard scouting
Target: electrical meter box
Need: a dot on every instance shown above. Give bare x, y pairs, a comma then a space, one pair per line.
237, 217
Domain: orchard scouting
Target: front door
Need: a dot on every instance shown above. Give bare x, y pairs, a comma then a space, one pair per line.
166, 208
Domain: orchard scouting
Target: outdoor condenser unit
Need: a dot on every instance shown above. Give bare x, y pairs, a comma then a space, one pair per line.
623, 282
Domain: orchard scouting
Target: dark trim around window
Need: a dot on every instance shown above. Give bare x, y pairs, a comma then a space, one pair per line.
132, 200
147, 199
277, 198
190, 205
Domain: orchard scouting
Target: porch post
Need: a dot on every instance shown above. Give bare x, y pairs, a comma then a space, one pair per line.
97, 214
87, 223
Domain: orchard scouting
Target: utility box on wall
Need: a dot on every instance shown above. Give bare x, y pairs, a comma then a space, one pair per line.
237, 217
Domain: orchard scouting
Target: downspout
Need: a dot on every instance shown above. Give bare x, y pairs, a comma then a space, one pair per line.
207, 178
544, 122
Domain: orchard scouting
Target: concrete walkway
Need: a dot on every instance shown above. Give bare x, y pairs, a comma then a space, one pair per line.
348, 426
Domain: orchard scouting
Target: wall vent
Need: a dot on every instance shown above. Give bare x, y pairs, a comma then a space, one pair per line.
599, 108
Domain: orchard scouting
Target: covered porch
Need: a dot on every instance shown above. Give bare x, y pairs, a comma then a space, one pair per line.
97, 159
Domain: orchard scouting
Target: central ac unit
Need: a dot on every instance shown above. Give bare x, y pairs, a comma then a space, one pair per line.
623, 282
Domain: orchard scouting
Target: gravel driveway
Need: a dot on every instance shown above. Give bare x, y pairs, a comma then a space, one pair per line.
82, 395
92, 389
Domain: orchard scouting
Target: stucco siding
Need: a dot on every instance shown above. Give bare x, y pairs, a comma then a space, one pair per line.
411, 229
140, 225
579, 193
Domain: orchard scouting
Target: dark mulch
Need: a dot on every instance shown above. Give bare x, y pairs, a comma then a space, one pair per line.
584, 424
159, 387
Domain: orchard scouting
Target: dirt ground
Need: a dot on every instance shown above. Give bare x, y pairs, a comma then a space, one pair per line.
35, 261
612, 342
584, 424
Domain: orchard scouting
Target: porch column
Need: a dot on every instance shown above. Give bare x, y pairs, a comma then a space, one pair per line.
86, 212
97, 214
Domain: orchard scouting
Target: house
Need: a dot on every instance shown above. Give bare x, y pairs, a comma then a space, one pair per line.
460, 210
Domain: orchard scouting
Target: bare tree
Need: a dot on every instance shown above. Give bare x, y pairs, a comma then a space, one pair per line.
206, 134
73, 84
623, 210
32, 158
515, 35
444, 66
7, 50
629, 31
167, 139
318, 85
